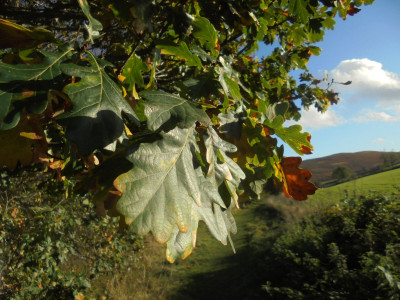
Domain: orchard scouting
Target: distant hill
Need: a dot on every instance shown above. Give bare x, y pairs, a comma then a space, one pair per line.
322, 167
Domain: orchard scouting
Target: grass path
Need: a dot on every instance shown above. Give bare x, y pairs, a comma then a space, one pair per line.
213, 271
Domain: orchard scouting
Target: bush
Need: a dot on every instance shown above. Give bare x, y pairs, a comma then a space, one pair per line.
53, 245
350, 251
341, 173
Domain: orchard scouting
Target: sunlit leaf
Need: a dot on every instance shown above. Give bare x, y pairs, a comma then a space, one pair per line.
132, 72
205, 32
296, 139
296, 180
162, 107
299, 9
167, 194
181, 51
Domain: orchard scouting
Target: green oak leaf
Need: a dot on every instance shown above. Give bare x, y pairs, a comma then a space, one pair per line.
95, 120
206, 34
299, 9
275, 110
202, 86
229, 78
219, 221
166, 193
26, 86
162, 108
274, 118
181, 51
202, 54
294, 137
132, 70
233, 87
92, 30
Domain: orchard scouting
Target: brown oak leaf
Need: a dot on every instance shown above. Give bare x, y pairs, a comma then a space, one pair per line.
305, 149
352, 10
296, 183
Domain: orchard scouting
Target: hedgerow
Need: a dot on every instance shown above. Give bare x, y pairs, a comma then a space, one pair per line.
349, 251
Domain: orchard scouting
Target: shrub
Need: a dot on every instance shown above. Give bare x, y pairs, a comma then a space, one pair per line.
341, 173
53, 245
351, 250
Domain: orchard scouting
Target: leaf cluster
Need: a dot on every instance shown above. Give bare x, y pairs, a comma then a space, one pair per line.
162, 107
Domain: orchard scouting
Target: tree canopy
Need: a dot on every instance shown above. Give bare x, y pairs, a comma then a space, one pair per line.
161, 109
341, 173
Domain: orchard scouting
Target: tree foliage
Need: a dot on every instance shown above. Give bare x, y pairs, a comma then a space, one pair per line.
341, 173
161, 108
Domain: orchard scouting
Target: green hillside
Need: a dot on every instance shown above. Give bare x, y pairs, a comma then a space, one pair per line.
386, 182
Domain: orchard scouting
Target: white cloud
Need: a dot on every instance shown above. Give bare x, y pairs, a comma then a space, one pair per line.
378, 140
372, 86
370, 115
369, 81
313, 119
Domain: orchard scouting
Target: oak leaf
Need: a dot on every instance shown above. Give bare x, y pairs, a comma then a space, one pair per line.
296, 180
305, 149
16, 36
25, 87
95, 119
166, 194
352, 10
28, 143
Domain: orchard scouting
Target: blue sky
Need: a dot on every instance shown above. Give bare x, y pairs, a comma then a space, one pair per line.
365, 49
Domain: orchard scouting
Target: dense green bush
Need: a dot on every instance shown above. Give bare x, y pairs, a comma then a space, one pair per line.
350, 251
54, 245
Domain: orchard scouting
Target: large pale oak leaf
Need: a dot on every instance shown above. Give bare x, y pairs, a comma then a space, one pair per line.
166, 193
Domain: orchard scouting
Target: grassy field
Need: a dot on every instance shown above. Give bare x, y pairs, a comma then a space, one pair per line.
386, 182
